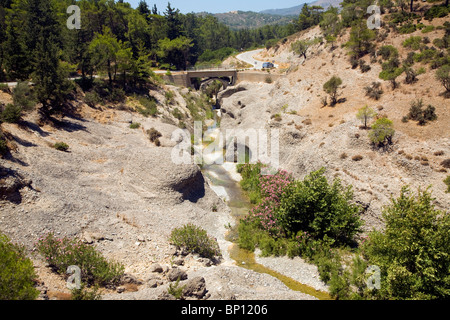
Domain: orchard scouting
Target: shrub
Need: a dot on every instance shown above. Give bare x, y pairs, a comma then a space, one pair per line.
331, 87
413, 42
117, 95
65, 252
11, 113
135, 125
388, 52
364, 67
325, 211
436, 12
411, 75
277, 117
17, 273
443, 76
61, 146
23, 96
169, 95
269, 79
3, 146
422, 116
428, 29
447, 182
149, 107
413, 252
382, 132
92, 99
374, 91
408, 27
83, 294
154, 135
195, 240
365, 114
426, 56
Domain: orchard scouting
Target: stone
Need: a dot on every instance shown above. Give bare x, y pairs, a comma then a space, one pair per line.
130, 279
178, 262
152, 283
176, 274
195, 288
120, 289
156, 268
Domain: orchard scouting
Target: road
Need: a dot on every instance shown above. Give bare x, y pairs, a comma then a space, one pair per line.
248, 58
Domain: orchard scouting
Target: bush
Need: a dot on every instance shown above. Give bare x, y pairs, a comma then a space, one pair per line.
408, 27
65, 252
92, 99
149, 107
11, 113
117, 95
413, 42
3, 146
23, 96
135, 126
413, 252
436, 12
416, 112
331, 87
61, 146
388, 52
447, 182
324, 211
154, 136
17, 273
374, 91
195, 240
382, 132
83, 294
443, 76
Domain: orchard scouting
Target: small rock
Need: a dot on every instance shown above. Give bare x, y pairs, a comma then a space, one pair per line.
152, 283
195, 288
120, 289
141, 238
176, 274
156, 268
130, 279
178, 262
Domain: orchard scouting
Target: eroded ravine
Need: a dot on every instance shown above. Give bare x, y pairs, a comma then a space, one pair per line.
223, 180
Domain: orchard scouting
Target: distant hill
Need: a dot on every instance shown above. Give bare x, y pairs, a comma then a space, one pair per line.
294, 11
248, 19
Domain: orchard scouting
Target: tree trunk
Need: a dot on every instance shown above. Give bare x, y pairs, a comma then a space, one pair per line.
412, 5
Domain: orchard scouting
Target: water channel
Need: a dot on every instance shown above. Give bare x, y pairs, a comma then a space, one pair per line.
224, 180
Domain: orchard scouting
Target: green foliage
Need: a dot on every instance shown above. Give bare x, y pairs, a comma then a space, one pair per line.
17, 273
374, 91
11, 113
437, 11
428, 29
413, 252
92, 99
388, 52
426, 56
324, 210
417, 113
3, 146
361, 38
407, 28
154, 136
148, 107
447, 182
365, 114
413, 42
84, 294
331, 87
176, 290
135, 125
250, 180
301, 47
23, 96
65, 252
4, 87
391, 74
61, 146
382, 132
443, 76
195, 240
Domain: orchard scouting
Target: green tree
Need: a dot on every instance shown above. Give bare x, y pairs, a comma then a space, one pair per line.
214, 89
51, 84
331, 87
365, 114
103, 49
391, 75
443, 76
175, 52
361, 38
412, 252
301, 47
382, 132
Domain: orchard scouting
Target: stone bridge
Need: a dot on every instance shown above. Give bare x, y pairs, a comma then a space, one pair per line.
229, 77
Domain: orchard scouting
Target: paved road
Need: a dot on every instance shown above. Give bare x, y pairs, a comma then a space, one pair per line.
248, 58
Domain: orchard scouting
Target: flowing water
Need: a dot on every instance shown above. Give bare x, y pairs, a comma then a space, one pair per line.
224, 180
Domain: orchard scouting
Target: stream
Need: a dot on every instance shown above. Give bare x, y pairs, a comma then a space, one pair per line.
224, 180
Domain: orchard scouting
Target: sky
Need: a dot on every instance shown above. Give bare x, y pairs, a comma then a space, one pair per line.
220, 6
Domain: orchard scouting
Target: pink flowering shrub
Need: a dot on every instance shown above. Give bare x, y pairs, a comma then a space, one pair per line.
264, 214
60, 253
